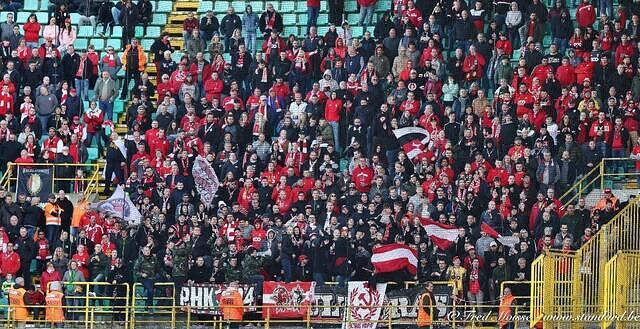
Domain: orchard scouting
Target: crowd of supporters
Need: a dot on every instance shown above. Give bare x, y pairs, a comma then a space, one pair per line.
300, 132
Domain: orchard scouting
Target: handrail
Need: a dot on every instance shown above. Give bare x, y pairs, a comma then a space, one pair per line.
91, 180
594, 178
579, 185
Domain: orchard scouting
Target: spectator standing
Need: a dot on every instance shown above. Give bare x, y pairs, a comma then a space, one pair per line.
230, 22
134, 61
45, 104
146, 272
209, 25
250, 27
270, 20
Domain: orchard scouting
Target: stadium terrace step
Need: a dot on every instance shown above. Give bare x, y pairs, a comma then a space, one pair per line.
187, 5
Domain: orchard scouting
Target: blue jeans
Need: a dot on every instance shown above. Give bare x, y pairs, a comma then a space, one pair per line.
82, 86
605, 7
602, 146
44, 120
115, 12
107, 107
53, 234
148, 284
366, 15
342, 280
286, 267
312, 16
335, 126
319, 278
251, 42
561, 43
618, 153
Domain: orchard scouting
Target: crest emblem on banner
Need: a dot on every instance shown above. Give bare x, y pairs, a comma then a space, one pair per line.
366, 297
34, 184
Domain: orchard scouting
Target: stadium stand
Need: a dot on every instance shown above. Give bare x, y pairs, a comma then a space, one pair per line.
489, 148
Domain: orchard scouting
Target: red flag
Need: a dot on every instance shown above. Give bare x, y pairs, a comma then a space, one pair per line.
394, 257
489, 230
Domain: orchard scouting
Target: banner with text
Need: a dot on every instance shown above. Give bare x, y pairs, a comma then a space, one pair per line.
35, 182
287, 300
204, 298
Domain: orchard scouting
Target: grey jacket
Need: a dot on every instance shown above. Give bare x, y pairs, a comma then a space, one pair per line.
6, 30
112, 90
553, 172
113, 71
46, 104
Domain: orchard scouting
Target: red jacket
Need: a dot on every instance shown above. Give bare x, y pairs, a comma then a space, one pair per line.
604, 126
362, 176
566, 75
190, 24
206, 71
585, 15
624, 49
415, 17
31, 31
313, 3
93, 123
213, 89
332, 110
540, 71
366, 3
584, 70
47, 277
473, 66
506, 46
9, 263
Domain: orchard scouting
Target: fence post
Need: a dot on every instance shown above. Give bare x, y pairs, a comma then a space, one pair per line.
268, 318
309, 316
188, 317
86, 303
389, 315
601, 176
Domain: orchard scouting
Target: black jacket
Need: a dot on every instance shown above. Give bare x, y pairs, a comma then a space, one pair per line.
70, 65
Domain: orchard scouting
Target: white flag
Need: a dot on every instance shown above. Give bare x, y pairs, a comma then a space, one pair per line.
365, 305
205, 180
119, 205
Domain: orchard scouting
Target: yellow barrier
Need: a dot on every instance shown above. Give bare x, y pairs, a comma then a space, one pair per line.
622, 286
157, 303
93, 174
597, 178
569, 284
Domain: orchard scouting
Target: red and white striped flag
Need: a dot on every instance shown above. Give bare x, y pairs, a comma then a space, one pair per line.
394, 257
442, 235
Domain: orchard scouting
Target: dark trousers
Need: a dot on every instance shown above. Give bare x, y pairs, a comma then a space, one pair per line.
130, 74
109, 171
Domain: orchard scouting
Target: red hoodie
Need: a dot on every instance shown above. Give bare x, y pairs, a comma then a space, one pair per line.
584, 70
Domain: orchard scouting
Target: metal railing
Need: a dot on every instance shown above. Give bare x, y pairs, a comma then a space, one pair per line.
598, 177
622, 286
456, 316
576, 282
91, 179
